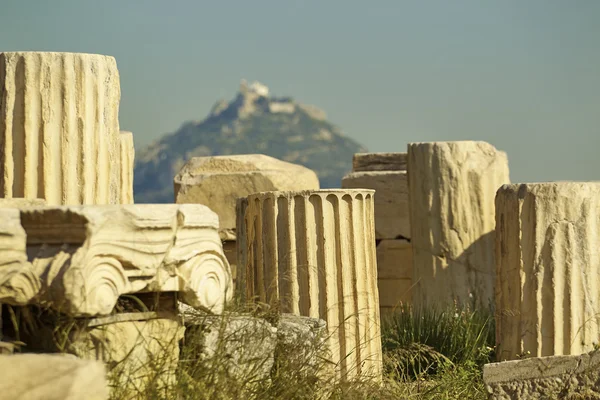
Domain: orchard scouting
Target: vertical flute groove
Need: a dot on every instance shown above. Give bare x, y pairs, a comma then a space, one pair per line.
59, 130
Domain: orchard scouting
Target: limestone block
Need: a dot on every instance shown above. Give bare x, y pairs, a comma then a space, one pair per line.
51, 377
312, 253
555, 377
126, 158
394, 292
251, 348
379, 162
139, 348
218, 182
547, 263
59, 127
302, 346
452, 188
19, 283
392, 216
394, 260
87, 256
243, 345
394, 273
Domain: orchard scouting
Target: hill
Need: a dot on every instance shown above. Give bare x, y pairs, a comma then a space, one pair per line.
253, 122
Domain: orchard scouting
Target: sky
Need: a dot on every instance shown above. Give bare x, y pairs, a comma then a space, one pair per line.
521, 75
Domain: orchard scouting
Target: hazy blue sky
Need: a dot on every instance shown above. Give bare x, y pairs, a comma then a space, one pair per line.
522, 75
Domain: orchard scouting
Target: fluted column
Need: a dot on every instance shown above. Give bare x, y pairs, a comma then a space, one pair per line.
127, 159
59, 128
452, 186
548, 269
313, 254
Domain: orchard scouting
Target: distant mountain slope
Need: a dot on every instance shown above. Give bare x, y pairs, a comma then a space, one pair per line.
253, 122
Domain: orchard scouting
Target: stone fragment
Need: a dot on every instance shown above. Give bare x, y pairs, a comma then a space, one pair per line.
140, 349
88, 256
379, 162
312, 253
218, 182
547, 263
51, 377
19, 282
59, 127
302, 346
392, 216
555, 377
240, 345
126, 158
452, 189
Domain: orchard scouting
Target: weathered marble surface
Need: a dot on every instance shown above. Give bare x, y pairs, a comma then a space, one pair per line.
80, 259
59, 128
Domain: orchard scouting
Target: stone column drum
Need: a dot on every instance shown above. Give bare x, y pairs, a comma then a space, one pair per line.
59, 127
548, 269
452, 186
312, 253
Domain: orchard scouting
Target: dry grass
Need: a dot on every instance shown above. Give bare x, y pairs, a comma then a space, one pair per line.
427, 355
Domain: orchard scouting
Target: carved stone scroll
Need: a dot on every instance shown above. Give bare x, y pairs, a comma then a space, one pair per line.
18, 282
88, 256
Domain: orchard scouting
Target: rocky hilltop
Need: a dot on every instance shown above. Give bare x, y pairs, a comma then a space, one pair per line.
253, 122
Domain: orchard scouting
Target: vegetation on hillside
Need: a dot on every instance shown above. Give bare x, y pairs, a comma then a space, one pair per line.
296, 137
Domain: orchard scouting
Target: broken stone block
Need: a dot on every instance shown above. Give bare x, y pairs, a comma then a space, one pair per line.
217, 182
139, 349
87, 256
312, 253
379, 162
51, 377
302, 346
555, 377
239, 345
59, 127
392, 216
547, 263
452, 188
251, 348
